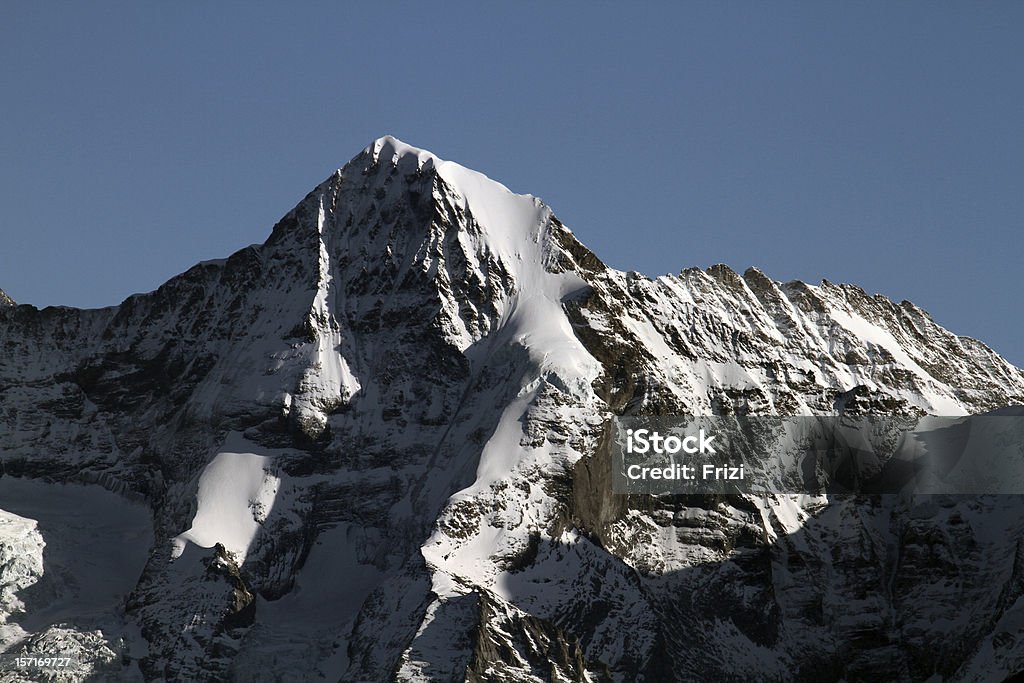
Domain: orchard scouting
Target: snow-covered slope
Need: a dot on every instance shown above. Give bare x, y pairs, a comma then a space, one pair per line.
373, 449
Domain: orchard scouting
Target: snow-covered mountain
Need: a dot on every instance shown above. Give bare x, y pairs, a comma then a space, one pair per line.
373, 448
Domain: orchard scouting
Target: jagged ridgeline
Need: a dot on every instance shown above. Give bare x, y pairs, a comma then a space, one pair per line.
375, 448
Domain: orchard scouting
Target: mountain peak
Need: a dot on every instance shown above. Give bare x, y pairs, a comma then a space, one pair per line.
6, 300
511, 223
391, 149
409, 384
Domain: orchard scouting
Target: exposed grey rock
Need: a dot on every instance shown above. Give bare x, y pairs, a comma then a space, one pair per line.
21, 563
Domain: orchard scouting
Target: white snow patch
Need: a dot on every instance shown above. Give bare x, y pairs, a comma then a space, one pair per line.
236, 493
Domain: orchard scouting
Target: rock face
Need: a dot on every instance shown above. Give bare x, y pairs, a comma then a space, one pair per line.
21, 562
373, 450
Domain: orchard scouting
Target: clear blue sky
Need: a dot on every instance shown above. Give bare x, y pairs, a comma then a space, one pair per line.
866, 142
